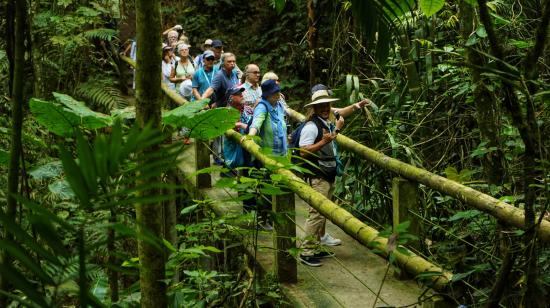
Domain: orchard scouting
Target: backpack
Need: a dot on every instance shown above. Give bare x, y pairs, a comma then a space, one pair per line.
297, 159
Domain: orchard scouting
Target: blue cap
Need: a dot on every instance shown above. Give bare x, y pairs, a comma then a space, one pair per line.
320, 86
234, 90
217, 44
208, 54
270, 87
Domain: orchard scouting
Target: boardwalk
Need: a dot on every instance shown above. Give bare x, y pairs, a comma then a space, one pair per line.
351, 279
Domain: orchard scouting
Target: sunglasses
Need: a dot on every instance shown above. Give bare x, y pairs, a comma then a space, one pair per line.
209, 59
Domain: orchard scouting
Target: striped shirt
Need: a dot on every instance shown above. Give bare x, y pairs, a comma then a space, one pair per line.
251, 95
270, 123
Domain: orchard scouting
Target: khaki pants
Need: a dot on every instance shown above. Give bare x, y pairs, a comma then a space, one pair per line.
315, 223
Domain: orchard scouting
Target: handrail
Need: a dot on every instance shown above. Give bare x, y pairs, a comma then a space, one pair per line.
363, 233
490, 205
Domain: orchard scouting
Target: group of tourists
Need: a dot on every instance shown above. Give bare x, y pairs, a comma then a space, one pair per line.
263, 112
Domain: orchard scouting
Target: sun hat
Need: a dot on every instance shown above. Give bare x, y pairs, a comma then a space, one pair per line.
186, 88
270, 87
207, 42
321, 97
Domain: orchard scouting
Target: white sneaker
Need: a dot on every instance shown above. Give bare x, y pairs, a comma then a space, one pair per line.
328, 240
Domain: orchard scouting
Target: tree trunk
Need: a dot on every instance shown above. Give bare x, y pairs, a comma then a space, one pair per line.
487, 113
312, 39
17, 122
10, 39
413, 79
148, 102
488, 121
112, 259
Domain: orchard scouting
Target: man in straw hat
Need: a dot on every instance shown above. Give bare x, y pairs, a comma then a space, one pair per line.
316, 144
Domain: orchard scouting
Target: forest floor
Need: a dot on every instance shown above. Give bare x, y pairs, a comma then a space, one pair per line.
350, 279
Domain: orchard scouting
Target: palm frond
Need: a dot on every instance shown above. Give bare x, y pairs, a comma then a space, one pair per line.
101, 34
100, 95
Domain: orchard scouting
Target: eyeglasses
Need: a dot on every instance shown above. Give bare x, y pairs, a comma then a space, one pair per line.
255, 72
209, 59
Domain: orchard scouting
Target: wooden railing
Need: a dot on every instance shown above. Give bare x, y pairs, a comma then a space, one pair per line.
404, 192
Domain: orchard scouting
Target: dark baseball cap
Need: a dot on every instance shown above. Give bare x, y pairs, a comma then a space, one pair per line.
217, 44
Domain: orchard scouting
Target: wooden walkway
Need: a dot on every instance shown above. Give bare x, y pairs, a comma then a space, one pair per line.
350, 279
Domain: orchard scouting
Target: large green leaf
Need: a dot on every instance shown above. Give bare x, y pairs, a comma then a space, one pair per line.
47, 171
63, 116
177, 117
61, 189
88, 118
212, 123
430, 7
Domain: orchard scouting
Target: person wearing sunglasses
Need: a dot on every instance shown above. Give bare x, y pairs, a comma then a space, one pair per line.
202, 79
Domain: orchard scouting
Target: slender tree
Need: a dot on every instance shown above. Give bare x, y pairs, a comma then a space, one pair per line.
488, 122
148, 112
17, 121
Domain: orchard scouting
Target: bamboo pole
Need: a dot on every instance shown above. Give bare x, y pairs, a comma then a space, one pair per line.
366, 235
173, 95
490, 205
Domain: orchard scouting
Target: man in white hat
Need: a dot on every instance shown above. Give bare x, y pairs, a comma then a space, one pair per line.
316, 145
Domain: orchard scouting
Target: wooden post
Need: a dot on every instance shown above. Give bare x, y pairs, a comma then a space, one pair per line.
405, 198
286, 267
202, 159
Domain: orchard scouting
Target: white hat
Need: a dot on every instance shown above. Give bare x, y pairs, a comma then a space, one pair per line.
186, 88
208, 42
321, 97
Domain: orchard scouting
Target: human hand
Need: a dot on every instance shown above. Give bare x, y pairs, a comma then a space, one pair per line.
240, 125
363, 103
340, 123
327, 136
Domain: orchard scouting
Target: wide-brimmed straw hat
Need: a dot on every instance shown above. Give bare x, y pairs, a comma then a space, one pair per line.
321, 97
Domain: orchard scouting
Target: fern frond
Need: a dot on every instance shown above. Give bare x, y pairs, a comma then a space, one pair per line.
101, 96
101, 34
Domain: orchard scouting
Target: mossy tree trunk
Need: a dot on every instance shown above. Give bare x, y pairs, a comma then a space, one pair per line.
148, 112
312, 38
488, 122
17, 81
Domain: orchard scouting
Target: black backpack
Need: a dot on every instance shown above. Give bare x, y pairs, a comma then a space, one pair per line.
294, 145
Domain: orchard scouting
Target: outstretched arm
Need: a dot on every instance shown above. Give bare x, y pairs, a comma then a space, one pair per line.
352, 108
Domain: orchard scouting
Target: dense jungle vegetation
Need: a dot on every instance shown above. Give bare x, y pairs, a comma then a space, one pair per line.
461, 87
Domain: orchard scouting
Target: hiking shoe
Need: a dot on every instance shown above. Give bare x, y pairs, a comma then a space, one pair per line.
328, 240
323, 254
310, 261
